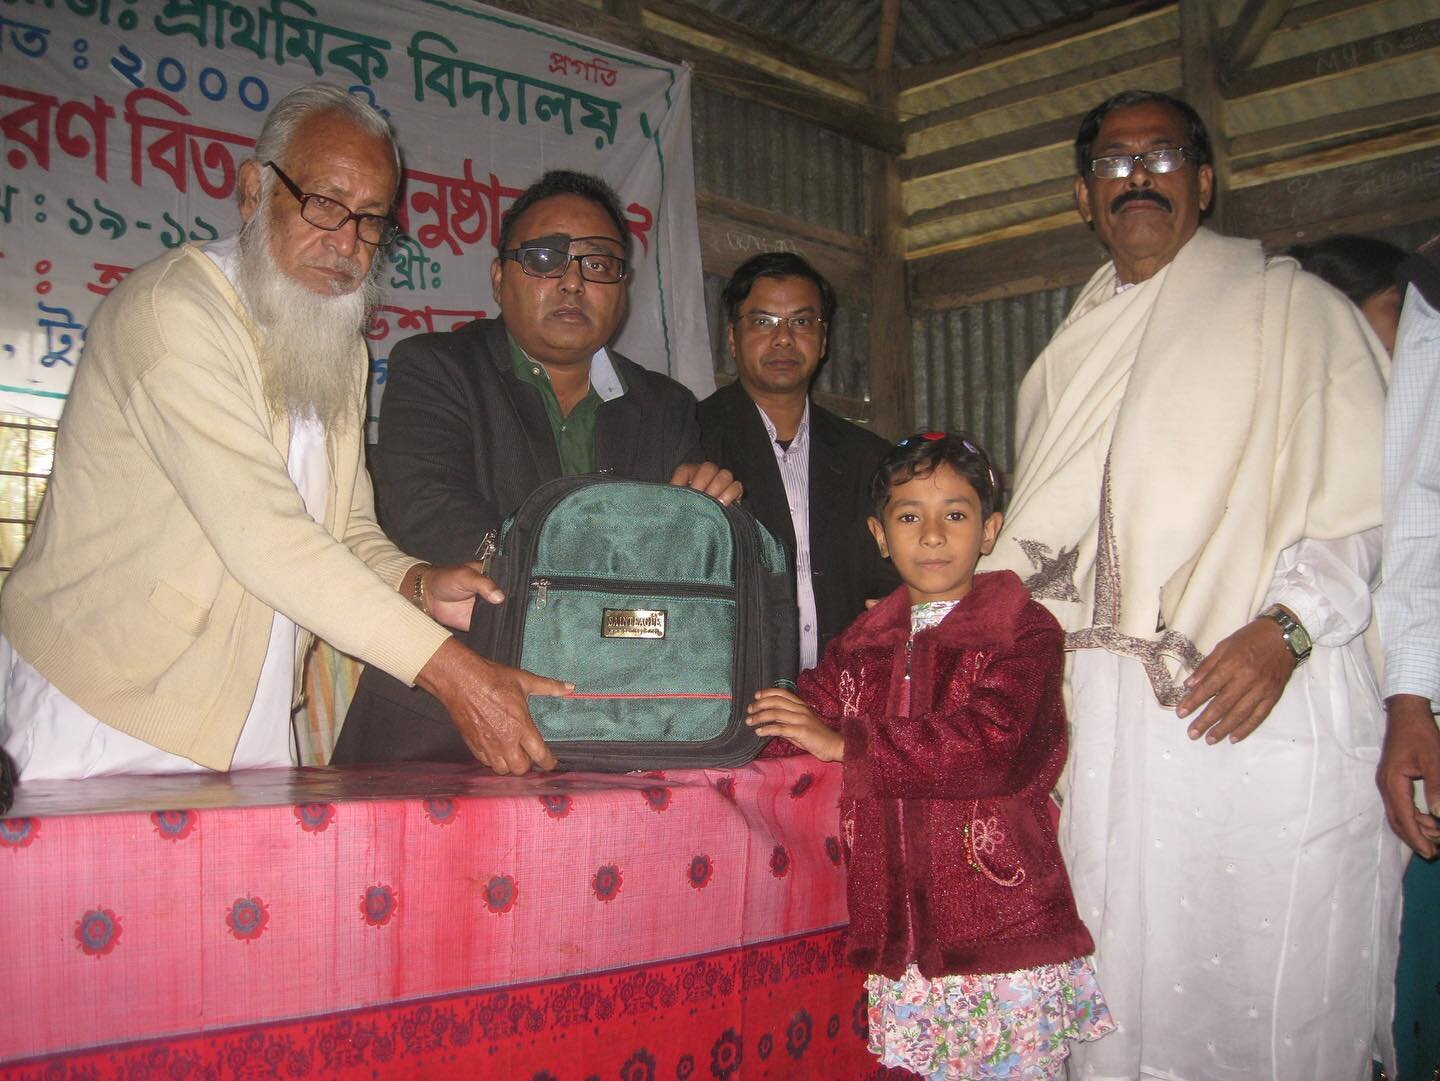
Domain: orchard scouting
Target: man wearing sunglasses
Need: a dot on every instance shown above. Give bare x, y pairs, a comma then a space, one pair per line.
209, 509
475, 419
1196, 498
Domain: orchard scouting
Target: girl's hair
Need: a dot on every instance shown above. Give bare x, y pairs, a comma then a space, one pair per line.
1359, 266
921, 454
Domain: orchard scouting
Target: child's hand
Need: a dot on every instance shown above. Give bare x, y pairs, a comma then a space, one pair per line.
777, 712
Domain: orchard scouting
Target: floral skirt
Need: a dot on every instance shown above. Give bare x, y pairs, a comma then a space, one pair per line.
1016, 1026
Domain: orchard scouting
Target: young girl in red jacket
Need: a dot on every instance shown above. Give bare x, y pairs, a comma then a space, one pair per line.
944, 703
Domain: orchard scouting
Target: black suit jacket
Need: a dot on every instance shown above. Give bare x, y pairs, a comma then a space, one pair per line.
462, 442
845, 566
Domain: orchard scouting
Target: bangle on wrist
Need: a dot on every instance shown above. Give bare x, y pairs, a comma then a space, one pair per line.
417, 592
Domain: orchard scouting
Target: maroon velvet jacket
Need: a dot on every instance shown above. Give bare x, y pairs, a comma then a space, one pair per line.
953, 862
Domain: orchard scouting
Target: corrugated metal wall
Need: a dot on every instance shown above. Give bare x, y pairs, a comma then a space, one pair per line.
777, 162
748, 151
969, 363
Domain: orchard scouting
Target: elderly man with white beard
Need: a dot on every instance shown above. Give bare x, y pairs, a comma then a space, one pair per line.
209, 508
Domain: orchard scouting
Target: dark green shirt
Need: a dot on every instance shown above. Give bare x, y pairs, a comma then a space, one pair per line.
574, 434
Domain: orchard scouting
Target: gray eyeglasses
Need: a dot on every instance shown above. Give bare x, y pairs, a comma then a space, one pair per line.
329, 214
764, 323
1163, 159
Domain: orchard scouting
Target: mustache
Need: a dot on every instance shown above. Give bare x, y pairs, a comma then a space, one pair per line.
1136, 195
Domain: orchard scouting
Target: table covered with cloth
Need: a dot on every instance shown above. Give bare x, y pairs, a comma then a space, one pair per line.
430, 921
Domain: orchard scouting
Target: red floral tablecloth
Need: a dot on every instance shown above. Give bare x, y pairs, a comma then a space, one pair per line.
430, 921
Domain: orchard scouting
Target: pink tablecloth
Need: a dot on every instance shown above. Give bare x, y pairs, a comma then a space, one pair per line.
430, 921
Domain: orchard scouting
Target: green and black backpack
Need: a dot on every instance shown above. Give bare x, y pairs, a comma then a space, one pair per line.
666, 610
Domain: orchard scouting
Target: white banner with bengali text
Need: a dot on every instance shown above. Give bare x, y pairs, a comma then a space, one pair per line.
123, 122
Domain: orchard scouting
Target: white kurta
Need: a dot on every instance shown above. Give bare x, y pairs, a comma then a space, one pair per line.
1244, 898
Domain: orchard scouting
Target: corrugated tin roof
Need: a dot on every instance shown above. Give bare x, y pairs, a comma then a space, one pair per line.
929, 30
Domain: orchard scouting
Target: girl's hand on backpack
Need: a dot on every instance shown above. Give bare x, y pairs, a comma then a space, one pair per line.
778, 712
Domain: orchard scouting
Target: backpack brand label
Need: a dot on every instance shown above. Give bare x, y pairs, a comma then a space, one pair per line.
633, 623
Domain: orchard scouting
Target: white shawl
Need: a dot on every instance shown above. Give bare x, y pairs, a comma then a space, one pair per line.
1176, 437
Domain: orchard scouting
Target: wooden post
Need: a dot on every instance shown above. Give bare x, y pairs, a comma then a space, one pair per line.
1200, 62
892, 380
630, 11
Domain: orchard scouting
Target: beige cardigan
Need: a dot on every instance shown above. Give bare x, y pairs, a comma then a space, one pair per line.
171, 531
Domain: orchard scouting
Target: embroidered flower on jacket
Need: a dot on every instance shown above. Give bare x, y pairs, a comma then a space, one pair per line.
987, 834
802, 785
658, 798
832, 849
173, 825
726, 787
849, 694
556, 806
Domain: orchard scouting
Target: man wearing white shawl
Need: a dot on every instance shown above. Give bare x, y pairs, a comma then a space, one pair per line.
1197, 500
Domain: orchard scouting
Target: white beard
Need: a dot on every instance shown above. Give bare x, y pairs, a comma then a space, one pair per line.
308, 348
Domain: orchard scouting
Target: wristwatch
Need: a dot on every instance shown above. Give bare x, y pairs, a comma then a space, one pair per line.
1296, 636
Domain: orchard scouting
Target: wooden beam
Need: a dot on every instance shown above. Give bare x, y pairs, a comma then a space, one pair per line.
1040, 88
1249, 32
630, 11
892, 393
1319, 10
732, 232
1198, 65
885, 39
1040, 191
1029, 140
1337, 60
1355, 152
770, 220
1331, 130
1028, 227
1063, 33
1371, 220
1380, 192
1063, 256
758, 80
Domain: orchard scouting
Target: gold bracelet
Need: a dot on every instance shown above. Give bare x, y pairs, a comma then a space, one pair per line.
418, 593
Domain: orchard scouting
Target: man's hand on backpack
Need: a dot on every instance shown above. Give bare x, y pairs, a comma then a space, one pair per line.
709, 478
487, 702
450, 593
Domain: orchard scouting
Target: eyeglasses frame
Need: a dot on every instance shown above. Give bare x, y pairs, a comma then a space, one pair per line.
780, 321
1139, 159
513, 254
390, 228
